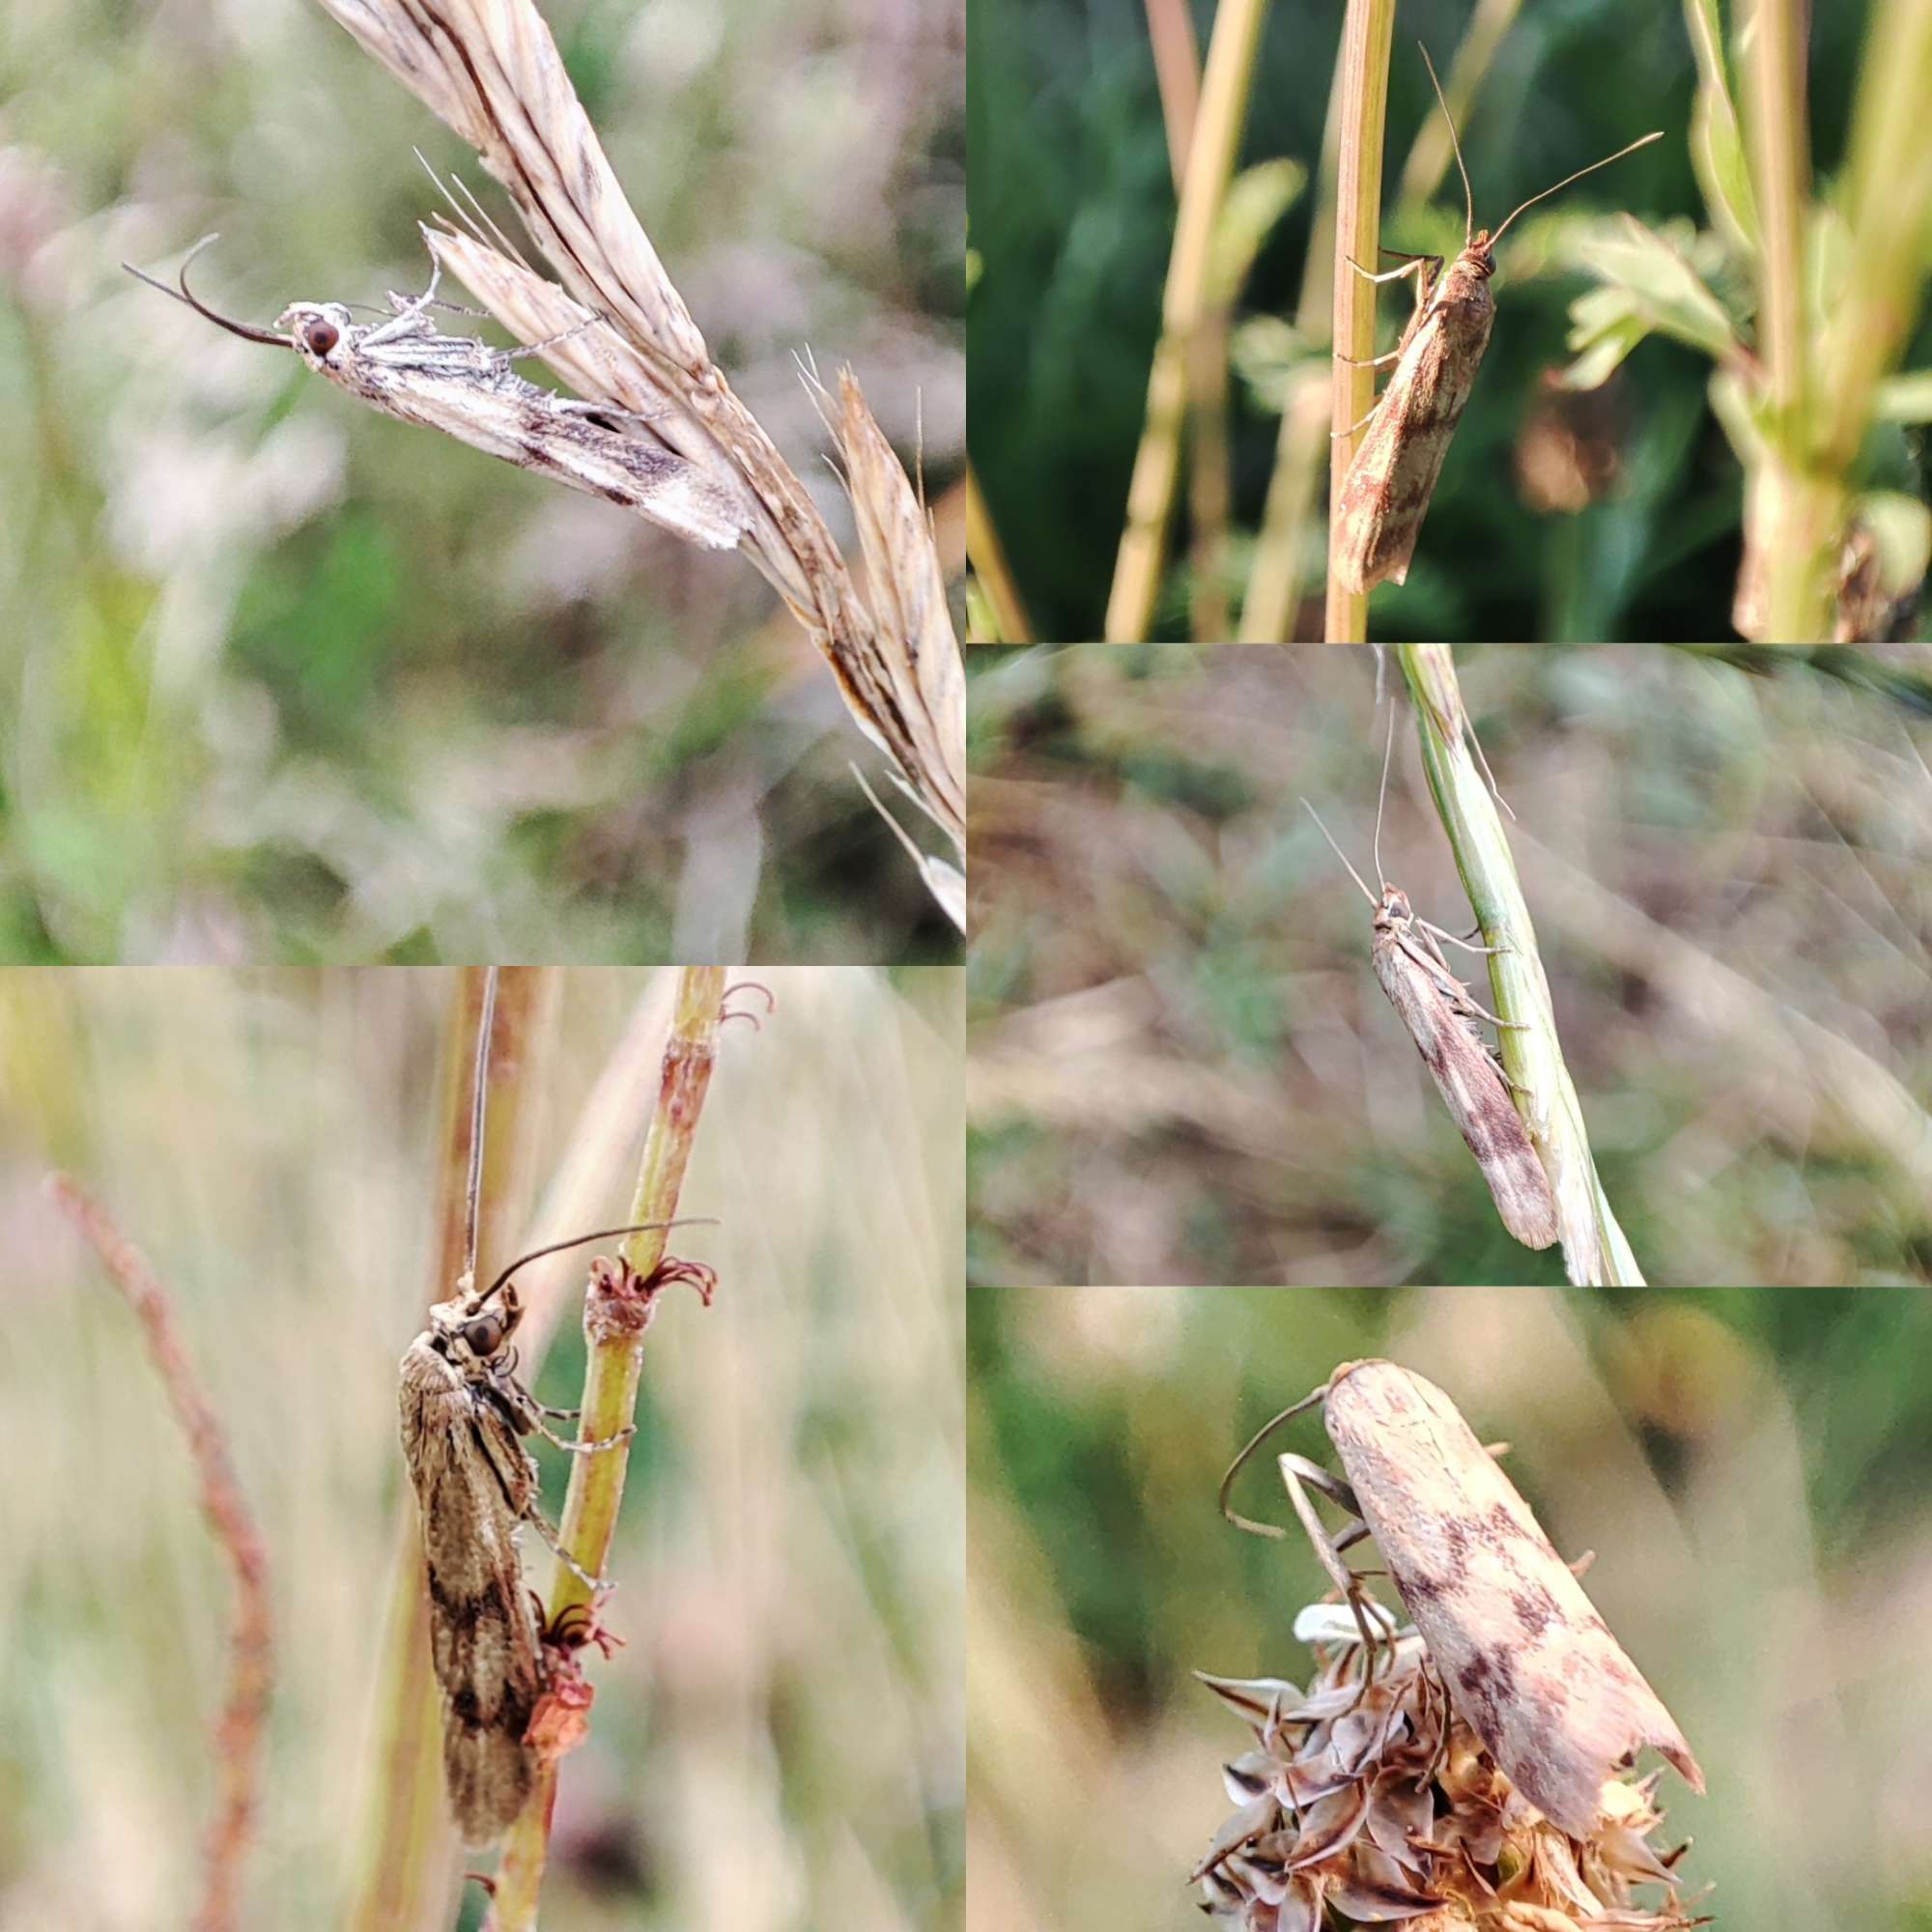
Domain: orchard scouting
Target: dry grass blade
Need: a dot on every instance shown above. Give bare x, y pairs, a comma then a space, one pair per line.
239, 1736
491, 71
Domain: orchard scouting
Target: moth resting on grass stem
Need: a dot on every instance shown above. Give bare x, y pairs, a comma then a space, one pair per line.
1392, 475
1440, 1016
1520, 1649
464, 1415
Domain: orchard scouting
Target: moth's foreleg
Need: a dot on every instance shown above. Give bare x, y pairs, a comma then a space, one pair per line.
1371, 362
411, 313
536, 1518
1412, 264
1299, 1475
1458, 939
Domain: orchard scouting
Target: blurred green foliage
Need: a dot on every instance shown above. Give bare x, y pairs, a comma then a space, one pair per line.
283, 679
1749, 1467
1072, 211
778, 1739
1183, 1068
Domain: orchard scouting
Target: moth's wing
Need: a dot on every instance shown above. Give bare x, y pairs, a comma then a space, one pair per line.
473, 1483
1528, 1661
1386, 491
1474, 1091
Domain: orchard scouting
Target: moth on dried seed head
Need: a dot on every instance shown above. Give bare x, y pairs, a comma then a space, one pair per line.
464, 1415
1519, 1648
1390, 479
404, 366
1440, 1016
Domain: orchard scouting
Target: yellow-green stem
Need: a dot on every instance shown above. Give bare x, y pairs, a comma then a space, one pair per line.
612, 1374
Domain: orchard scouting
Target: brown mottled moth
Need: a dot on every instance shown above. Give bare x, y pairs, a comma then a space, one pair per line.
1519, 1648
406, 367
1440, 1016
464, 1415
1386, 491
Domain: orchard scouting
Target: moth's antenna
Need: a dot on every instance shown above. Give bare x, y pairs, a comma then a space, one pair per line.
1468, 199
1260, 1436
472, 1205
188, 295
1382, 798
597, 1235
1339, 854
1577, 175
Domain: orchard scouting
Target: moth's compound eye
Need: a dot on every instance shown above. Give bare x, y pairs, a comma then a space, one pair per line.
320, 336
485, 1335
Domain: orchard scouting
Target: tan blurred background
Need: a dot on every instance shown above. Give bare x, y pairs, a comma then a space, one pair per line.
777, 1743
1751, 1469
285, 680
1181, 1067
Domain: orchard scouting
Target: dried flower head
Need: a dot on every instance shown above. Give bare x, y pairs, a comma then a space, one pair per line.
1371, 1796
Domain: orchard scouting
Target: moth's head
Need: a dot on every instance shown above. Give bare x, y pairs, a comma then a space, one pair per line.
470, 1331
1481, 253
318, 330
1394, 908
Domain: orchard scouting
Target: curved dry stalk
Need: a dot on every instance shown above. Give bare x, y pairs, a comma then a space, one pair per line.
239, 1734
491, 71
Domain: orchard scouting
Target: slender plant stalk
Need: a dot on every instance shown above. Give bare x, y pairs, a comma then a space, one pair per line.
1006, 618
239, 1734
405, 1851
1430, 156
614, 1329
1177, 74
1794, 514
1227, 84
1366, 35
1595, 1252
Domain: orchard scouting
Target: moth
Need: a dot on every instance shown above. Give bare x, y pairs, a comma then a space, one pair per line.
404, 366
464, 1415
1390, 479
1440, 1016
1520, 1649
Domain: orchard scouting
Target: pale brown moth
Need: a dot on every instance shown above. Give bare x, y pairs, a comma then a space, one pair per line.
1440, 1016
1392, 475
464, 1415
1520, 1649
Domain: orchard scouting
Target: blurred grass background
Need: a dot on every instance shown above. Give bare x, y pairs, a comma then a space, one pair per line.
1181, 1066
1751, 1469
777, 1743
1613, 513
284, 680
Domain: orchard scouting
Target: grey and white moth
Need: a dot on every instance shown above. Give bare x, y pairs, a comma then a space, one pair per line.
1392, 475
1440, 1016
1520, 1649
407, 368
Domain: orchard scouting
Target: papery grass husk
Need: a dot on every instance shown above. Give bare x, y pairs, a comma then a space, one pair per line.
1374, 1802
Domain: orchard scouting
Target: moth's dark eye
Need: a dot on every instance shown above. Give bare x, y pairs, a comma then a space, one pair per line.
484, 1335
321, 336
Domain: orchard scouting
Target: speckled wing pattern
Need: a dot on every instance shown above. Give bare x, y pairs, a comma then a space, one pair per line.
473, 1482
1522, 1651
1386, 491
1435, 1007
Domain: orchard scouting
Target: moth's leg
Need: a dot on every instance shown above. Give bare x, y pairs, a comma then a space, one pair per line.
550, 1435
550, 341
1412, 264
1456, 939
1371, 361
411, 315
536, 1518
1299, 1475
1353, 426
